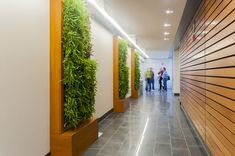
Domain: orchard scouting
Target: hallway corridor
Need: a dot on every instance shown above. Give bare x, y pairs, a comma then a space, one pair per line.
152, 126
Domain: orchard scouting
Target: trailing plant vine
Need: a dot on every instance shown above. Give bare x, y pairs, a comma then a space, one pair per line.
79, 77
137, 71
123, 69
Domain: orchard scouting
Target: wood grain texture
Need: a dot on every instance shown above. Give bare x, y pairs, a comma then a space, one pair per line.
207, 81
115, 68
56, 87
74, 141
119, 105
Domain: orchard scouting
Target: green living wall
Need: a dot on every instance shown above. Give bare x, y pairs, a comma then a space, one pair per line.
137, 71
79, 71
123, 69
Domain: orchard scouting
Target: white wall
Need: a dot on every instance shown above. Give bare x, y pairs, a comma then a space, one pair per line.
102, 41
24, 80
176, 72
156, 64
129, 66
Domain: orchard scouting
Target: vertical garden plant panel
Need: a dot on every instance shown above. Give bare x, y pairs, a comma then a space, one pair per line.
79, 71
123, 69
137, 71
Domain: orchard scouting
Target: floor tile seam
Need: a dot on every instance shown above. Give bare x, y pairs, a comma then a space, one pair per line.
179, 148
93, 148
195, 146
194, 137
155, 142
170, 140
106, 125
119, 149
105, 144
185, 139
110, 122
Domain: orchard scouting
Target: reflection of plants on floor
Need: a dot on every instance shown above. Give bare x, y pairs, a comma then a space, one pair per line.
137, 71
123, 69
79, 77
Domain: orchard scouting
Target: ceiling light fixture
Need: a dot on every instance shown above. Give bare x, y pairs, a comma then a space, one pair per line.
167, 25
166, 33
114, 23
168, 11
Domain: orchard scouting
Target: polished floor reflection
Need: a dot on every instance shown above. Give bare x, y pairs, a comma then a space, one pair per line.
154, 125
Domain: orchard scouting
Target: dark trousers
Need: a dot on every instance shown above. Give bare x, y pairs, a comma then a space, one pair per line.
165, 84
160, 83
152, 83
148, 84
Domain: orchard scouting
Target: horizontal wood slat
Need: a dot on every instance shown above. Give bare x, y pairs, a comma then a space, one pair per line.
207, 74
222, 19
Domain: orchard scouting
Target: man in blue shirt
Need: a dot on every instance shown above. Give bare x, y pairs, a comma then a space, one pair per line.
165, 78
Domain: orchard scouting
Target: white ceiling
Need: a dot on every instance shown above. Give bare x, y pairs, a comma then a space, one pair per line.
145, 20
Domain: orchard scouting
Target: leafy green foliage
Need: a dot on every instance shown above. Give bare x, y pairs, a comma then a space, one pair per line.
123, 69
76, 28
79, 77
137, 71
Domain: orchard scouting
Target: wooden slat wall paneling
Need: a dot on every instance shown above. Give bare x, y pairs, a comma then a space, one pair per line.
188, 39
194, 96
207, 74
220, 63
216, 13
192, 107
228, 103
200, 105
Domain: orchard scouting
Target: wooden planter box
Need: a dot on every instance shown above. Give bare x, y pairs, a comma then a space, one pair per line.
120, 105
135, 94
75, 141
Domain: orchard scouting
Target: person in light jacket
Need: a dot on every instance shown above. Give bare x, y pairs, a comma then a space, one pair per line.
165, 78
148, 80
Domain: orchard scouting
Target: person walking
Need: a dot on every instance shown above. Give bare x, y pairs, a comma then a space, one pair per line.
165, 78
160, 78
148, 80
152, 78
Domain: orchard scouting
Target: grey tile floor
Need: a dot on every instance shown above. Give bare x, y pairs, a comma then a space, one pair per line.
154, 125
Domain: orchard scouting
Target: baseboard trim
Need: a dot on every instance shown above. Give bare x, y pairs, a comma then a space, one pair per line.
176, 94
48, 154
105, 115
206, 148
111, 110
129, 99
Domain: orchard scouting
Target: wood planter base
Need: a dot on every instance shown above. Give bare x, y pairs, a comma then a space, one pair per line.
75, 141
120, 105
135, 94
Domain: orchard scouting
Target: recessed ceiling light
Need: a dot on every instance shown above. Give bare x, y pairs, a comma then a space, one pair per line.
166, 33
168, 11
167, 25
166, 39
